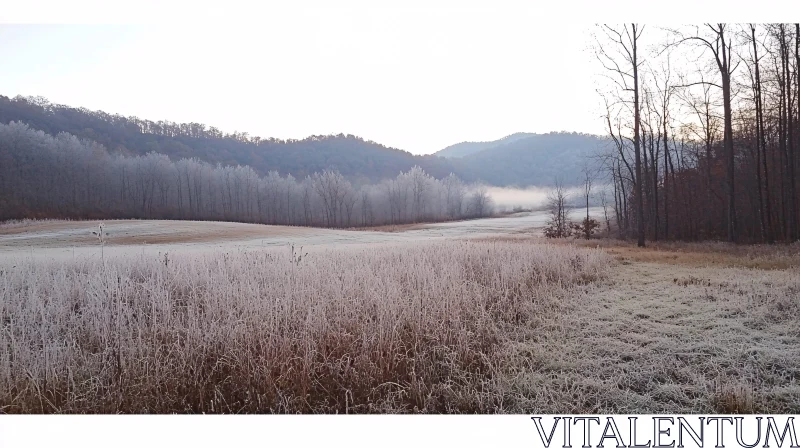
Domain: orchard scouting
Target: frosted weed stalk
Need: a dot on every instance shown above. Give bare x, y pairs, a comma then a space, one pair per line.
101, 237
297, 256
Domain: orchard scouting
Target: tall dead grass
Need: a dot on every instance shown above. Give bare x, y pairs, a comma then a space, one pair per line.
411, 328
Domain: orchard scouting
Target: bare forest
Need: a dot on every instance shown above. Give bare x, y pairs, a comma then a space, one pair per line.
704, 128
63, 177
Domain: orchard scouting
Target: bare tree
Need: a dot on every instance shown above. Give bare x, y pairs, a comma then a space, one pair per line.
454, 195
720, 43
624, 64
557, 225
480, 204
604, 204
333, 188
588, 179
765, 212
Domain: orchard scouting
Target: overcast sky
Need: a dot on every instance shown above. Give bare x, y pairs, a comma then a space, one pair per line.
415, 78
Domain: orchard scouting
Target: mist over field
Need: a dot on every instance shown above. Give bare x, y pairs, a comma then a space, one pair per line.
508, 198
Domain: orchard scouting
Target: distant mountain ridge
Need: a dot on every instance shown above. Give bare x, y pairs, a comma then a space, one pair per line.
524, 159
466, 148
354, 157
520, 159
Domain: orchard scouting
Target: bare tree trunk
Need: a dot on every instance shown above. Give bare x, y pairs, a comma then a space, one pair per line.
654, 168
666, 177
761, 143
797, 97
636, 144
790, 149
728, 135
783, 82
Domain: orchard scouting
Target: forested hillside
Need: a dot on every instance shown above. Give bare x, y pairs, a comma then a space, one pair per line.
520, 159
355, 158
544, 157
466, 148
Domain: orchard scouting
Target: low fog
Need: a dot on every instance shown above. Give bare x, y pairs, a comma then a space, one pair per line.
535, 198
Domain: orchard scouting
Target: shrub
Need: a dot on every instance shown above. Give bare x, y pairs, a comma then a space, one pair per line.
585, 229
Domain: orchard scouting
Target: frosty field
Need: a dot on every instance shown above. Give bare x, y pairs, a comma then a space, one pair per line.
69, 239
474, 316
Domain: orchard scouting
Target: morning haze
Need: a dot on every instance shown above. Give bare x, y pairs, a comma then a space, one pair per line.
382, 210
409, 79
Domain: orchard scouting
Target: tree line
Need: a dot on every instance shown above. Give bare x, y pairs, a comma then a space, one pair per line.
62, 176
704, 124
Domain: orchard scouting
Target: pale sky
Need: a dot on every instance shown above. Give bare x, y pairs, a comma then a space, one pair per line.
411, 77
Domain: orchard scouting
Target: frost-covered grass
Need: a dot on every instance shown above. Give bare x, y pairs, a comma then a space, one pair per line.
17, 223
508, 324
674, 328
418, 327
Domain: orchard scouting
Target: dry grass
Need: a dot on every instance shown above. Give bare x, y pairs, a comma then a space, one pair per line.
734, 399
505, 324
16, 225
762, 256
390, 228
412, 328
60, 233
706, 254
723, 340
675, 328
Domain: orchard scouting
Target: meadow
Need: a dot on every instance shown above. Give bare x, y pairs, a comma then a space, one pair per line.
430, 320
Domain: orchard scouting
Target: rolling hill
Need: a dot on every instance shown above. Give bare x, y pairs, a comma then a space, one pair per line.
520, 159
528, 159
354, 157
466, 148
